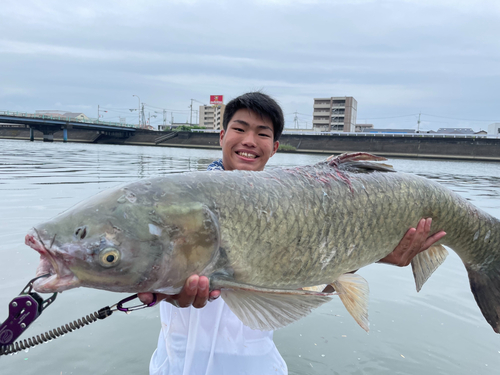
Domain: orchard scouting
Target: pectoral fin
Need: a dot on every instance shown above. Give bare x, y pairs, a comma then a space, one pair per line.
426, 262
269, 309
353, 291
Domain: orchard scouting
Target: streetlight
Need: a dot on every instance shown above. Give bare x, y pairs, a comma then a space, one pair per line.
139, 109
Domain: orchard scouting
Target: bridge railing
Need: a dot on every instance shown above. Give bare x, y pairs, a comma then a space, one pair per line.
63, 118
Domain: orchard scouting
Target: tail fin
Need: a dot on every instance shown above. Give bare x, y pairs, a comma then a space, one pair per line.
485, 285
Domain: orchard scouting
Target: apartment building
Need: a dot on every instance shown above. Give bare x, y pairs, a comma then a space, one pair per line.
211, 116
335, 114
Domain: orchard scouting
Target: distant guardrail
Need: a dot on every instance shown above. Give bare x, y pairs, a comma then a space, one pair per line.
395, 135
68, 119
363, 134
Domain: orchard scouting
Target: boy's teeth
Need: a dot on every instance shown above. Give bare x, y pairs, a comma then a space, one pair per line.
247, 155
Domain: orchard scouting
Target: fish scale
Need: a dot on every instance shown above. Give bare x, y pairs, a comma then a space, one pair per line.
357, 234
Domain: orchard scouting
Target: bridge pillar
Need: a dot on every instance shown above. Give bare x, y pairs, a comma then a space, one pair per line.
48, 132
65, 135
32, 134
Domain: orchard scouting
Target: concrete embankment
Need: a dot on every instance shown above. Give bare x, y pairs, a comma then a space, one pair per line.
448, 147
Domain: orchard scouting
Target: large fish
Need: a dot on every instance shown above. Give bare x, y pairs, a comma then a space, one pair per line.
261, 237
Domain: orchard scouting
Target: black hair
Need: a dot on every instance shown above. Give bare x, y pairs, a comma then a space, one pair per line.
262, 104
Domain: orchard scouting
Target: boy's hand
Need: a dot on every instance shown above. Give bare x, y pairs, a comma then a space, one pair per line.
413, 242
194, 293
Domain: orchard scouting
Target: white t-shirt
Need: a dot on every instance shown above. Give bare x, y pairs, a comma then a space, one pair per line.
212, 341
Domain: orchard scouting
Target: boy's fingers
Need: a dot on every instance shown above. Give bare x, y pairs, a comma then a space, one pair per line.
188, 293
407, 239
433, 239
145, 298
428, 223
421, 238
214, 294
201, 297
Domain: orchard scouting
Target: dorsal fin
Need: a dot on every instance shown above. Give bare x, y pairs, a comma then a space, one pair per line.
359, 162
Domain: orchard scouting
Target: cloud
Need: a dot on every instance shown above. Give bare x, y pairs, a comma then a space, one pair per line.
394, 57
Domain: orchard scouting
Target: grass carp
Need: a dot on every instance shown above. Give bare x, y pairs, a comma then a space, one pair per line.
261, 237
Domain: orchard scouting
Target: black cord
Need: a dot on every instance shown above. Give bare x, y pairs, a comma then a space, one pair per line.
55, 333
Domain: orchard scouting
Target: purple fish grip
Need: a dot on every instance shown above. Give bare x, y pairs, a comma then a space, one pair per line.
23, 310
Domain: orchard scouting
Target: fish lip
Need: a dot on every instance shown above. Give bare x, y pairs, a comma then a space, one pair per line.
47, 259
55, 283
61, 277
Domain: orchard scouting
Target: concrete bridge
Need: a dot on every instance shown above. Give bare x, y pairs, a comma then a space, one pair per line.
48, 125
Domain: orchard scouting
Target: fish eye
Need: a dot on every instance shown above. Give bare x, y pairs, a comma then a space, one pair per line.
109, 257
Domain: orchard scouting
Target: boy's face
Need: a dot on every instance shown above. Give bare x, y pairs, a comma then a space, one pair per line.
248, 142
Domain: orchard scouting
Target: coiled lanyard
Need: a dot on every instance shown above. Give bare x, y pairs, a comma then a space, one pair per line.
27, 307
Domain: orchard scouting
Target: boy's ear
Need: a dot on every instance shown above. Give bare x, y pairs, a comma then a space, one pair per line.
221, 136
275, 147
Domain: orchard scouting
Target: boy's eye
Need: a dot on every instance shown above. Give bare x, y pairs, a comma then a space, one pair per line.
265, 135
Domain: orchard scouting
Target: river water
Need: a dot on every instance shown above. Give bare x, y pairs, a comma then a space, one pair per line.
437, 331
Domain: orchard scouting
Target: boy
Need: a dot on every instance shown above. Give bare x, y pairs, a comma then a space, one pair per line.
213, 340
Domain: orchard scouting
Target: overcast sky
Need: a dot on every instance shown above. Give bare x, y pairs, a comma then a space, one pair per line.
396, 58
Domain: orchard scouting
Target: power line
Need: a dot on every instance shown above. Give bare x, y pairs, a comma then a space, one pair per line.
381, 118
120, 110
459, 119
426, 114
298, 113
116, 108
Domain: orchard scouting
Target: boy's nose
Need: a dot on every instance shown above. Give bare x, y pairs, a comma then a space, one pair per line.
249, 140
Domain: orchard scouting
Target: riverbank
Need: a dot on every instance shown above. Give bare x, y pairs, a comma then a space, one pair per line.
390, 145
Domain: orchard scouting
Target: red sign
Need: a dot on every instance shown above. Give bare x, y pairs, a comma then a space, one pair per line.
216, 99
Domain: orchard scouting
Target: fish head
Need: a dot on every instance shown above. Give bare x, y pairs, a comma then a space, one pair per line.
125, 240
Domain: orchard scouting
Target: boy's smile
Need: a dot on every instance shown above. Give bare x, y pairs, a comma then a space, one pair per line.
248, 142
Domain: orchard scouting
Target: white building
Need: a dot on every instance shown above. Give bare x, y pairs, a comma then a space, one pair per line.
335, 114
211, 116
63, 114
494, 129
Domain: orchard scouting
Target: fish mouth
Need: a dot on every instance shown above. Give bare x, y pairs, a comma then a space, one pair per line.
61, 277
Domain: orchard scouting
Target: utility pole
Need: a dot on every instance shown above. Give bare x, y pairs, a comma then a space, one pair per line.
99, 113
164, 117
191, 113
142, 116
154, 116
418, 123
191, 106
139, 109
296, 121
